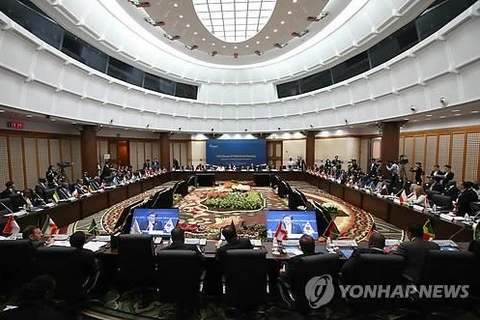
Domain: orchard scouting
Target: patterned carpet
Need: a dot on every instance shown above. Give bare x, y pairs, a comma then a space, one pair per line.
352, 222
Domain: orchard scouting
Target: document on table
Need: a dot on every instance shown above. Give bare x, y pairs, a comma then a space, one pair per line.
292, 251
94, 245
344, 243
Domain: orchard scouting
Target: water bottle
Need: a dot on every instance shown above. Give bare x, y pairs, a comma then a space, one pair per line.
434, 208
329, 243
467, 217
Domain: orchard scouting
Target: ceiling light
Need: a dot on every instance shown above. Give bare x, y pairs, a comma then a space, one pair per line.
280, 45
29, 116
235, 47
294, 1
457, 114
289, 12
224, 47
258, 42
275, 30
213, 44
2, 111
188, 26
195, 33
247, 46
180, 16
203, 39
443, 117
191, 47
267, 37
475, 111
456, 110
175, 5
428, 115
282, 22
154, 23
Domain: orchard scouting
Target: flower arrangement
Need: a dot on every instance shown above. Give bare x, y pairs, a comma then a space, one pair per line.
251, 200
330, 207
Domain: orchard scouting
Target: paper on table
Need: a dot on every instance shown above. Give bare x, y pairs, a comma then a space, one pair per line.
291, 251
344, 243
61, 243
94, 245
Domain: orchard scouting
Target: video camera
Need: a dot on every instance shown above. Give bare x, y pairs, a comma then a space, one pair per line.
64, 164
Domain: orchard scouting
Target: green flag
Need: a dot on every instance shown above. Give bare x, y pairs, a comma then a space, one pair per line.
55, 196
93, 229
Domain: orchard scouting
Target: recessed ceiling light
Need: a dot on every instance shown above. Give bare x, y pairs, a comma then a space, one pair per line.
213, 44
415, 120
175, 5
267, 37
247, 46
258, 42
224, 47
282, 22
180, 16
428, 115
2, 111
235, 47
456, 110
294, 1
275, 30
195, 33
203, 39
457, 114
443, 117
475, 111
289, 12
28, 116
188, 26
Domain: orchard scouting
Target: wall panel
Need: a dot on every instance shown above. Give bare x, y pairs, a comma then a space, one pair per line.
4, 162
140, 154
458, 145
31, 174
77, 159
54, 152
43, 158
364, 162
443, 150
472, 150
16, 160
133, 155
430, 153
67, 156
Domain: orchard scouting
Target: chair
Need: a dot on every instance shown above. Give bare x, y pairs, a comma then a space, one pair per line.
442, 202
320, 265
475, 248
16, 264
245, 278
66, 266
136, 265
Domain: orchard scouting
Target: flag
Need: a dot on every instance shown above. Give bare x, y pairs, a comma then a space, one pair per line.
169, 226
55, 196
93, 228
233, 226
11, 227
332, 231
428, 232
307, 229
403, 196
280, 233
372, 231
49, 227
135, 227
384, 190
350, 183
476, 231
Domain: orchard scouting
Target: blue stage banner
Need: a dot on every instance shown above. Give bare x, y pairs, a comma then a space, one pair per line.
238, 152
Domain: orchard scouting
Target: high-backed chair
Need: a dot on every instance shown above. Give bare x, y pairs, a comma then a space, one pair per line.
179, 275
324, 266
136, 265
442, 202
245, 278
16, 264
67, 267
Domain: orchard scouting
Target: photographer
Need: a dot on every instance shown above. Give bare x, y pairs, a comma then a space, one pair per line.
418, 173
403, 165
394, 170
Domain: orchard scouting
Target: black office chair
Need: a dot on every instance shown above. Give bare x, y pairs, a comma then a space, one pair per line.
136, 265
475, 248
293, 294
180, 277
442, 202
430, 193
245, 278
74, 283
16, 264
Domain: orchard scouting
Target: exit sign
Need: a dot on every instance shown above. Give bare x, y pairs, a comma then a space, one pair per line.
14, 125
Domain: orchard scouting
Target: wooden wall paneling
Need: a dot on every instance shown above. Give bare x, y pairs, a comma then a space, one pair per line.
401, 145
43, 156
183, 154
430, 153
156, 150
16, 161
133, 155
30, 163
77, 159
66, 155
112, 150
364, 161
472, 153
443, 150
457, 152
4, 162
54, 151
419, 151
408, 148
148, 151
102, 150
140, 154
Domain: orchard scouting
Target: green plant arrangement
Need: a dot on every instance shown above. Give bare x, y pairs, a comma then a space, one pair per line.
234, 200
330, 207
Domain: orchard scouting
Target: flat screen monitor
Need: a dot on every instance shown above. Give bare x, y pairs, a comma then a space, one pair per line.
164, 199
296, 223
16, 202
124, 222
156, 222
323, 217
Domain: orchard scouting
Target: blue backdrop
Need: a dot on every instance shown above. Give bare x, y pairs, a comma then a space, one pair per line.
238, 152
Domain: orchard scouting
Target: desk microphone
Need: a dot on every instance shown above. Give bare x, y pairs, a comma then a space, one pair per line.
9, 210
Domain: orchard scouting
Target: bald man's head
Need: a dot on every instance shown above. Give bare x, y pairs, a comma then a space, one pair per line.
376, 241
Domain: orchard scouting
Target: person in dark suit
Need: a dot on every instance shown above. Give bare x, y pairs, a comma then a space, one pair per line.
41, 187
437, 185
447, 176
466, 196
415, 251
85, 259
9, 190
307, 245
178, 242
51, 176
36, 298
290, 227
150, 223
64, 192
146, 165
376, 243
106, 171
233, 242
34, 234
80, 187
452, 191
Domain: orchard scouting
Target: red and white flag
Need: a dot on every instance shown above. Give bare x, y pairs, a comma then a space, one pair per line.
403, 196
11, 227
49, 227
280, 233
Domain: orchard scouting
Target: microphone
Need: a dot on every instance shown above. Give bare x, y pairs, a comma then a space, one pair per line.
9, 210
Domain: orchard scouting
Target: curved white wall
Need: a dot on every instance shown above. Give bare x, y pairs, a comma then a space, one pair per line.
95, 21
40, 79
